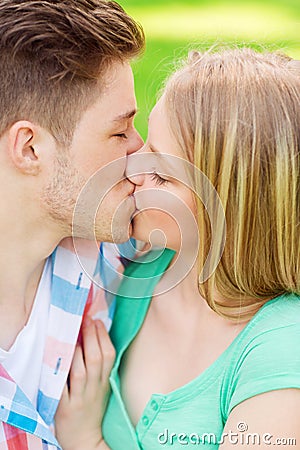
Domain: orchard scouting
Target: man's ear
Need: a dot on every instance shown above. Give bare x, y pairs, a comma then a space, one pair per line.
22, 137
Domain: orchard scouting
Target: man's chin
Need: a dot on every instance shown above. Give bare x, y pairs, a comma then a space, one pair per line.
120, 236
116, 235
121, 227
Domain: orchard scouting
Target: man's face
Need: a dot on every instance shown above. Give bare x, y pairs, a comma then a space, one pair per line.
89, 176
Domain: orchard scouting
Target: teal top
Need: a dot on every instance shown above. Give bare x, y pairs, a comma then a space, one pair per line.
264, 356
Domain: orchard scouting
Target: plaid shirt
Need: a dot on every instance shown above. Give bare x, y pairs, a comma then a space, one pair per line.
23, 426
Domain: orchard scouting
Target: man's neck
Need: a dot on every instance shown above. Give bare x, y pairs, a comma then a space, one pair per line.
23, 255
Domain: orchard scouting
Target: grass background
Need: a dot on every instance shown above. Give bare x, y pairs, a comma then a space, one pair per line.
172, 27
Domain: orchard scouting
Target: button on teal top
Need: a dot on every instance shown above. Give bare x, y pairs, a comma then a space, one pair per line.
264, 356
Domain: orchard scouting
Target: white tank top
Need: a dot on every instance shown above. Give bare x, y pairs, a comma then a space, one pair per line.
23, 361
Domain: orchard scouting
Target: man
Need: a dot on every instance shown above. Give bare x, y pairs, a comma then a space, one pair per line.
67, 106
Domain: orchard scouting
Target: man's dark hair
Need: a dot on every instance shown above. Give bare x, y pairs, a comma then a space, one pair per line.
52, 54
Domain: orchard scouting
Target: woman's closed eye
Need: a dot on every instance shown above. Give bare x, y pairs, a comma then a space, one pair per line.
158, 179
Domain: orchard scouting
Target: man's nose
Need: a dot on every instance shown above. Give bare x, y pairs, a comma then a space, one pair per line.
137, 143
134, 170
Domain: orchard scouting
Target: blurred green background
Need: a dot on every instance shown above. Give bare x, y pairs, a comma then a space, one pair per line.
173, 27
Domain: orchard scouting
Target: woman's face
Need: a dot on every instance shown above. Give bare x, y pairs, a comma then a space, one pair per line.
165, 204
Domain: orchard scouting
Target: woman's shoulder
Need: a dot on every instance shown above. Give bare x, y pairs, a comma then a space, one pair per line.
278, 313
275, 325
267, 355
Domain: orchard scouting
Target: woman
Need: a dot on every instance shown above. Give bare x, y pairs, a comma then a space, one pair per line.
211, 356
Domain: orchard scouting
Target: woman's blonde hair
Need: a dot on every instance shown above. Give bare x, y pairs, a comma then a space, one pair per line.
236, 115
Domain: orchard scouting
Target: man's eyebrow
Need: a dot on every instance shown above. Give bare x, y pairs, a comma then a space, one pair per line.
126, 115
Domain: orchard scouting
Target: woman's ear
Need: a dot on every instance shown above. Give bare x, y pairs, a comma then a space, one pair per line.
21, 147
